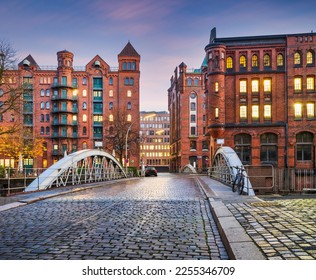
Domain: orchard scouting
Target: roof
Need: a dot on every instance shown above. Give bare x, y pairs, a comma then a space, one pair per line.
129, 51
30, 59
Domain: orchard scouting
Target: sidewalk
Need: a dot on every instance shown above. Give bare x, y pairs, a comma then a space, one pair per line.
237, 242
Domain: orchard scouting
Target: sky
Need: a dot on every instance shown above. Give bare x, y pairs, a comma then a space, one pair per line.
164, 32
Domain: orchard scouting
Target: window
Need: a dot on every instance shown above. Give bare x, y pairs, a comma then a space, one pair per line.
97, 83
297, 58
193, 130
131, 81
255, 86
216, 86
298, 112
110, 105
267, 112
64, 80
280, 60
84, 80
193, 145
255, 112
84, 118
216, 113
42, 117
193, 118
189, 81
268, 147
110, 93
111, 118
47, 92
42, 130
254, 61
242, 61
243, 147
84, 106
229, 62
84, 93
196, 82
84, 130
47, 130
111, 81
42, 92
243, 112
304, 146
84, 145
243, 86
309, 58
129, 93
47, 105
193, 106
310, 110
42, 106
267, 85
129, 106
129, 117
298, 84
310, 83
266, 60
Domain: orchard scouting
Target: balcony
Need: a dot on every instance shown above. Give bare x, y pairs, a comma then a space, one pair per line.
70, 97
62, 85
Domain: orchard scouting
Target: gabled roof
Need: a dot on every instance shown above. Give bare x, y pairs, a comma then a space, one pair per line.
30, 59
129, 51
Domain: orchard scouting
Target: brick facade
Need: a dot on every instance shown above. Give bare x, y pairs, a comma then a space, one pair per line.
261, 97
68, 106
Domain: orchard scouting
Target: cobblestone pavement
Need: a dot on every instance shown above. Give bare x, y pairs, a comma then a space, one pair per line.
283, 228
151, 218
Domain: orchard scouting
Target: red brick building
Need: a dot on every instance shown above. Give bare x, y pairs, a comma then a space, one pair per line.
67, 106
187, 103
261, 97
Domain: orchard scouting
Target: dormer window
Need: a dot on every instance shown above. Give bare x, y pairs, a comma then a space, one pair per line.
97, 63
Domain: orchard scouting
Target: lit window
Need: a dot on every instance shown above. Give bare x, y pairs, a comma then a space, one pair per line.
309, 57
129, 117
310, 110
267, 111
310, 83
243, 86
254, 61
229, 62
111, 118
298, 110
255, 85
297, 58
298, 84
216, 113
110, 93
266, 60
242, 61
84, 93
84, 117
216, 86
129, 93
255, 112
243, 112
280, 61
267, 85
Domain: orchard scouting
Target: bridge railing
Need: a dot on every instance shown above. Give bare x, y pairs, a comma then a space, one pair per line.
13, 180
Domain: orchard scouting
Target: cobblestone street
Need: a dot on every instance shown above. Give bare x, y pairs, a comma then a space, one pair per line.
283, 228
150, 218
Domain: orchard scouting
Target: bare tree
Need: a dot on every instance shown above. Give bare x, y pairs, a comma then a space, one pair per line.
117, 128
10, 93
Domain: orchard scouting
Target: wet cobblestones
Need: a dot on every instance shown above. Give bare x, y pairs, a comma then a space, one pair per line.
282, 229
152, 218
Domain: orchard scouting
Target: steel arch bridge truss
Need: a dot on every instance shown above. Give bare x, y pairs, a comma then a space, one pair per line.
222, 168
82, 167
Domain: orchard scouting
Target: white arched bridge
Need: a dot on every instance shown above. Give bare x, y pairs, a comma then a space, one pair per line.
82, 167
223, 170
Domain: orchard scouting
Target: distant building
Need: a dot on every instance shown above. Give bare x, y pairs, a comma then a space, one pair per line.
261, 98
67, 106
187, 103
155, 139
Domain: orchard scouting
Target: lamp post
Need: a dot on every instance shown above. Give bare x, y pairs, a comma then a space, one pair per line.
128, 130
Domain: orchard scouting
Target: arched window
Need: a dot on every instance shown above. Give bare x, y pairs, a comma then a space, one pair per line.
131, 81
84, 93
47, 117
193, 106
84, 145
42, 92
266, 60
189, 81
129, 93
129, 105
196, 82
47, 105
304, 146
254, 61
47, 92
310, 57
111, 81
126, 83
280, 60
42, 106
84, 118
110, 105
110, 93
242, 61
84, 105
42, 117
42, 129
229, 62
47, 130
129, 117
111, 118
84, 80
84, 130
268, 147
243, 147
297, 58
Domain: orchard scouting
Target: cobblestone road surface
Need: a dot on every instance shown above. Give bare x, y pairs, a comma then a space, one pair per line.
151, 218
282, 229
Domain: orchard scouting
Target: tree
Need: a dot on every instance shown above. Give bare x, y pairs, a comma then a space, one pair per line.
117, 127
21, 142
10, 93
